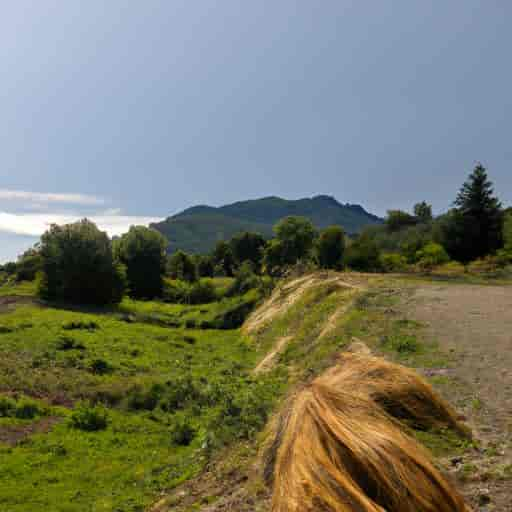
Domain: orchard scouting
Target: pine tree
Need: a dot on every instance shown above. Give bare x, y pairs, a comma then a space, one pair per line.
480, 217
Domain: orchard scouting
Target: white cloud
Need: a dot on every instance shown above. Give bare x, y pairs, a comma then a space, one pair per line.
42, 197
37, 224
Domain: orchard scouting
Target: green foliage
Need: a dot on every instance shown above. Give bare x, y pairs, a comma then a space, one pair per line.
507, 232
392, 262
142, 251
245, 280
475, 227
274, 257
398, 219
23, 409
423, 212
248, 247
29, 264
330, 247
431, 256
181, 266
78, 265
182, 432
89, 418
363, 254
296, 235
223, 260
205, 266
182, 292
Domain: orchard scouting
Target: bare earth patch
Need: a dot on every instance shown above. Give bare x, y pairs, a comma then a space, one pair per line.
13, 434
475, 323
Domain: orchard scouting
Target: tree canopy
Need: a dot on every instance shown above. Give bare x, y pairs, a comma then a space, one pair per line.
142, 250
78, 265
330, 247
296, 235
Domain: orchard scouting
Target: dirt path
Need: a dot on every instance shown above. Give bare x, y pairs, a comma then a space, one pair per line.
474, 323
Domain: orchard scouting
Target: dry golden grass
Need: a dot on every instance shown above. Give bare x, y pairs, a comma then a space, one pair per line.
339, 446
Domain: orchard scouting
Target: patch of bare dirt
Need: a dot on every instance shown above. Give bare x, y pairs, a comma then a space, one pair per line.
13, 434
474, 323
9, 302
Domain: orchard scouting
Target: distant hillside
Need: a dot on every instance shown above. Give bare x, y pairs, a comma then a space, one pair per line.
197, 229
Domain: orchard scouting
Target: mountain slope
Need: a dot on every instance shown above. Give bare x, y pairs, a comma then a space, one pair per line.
198, 228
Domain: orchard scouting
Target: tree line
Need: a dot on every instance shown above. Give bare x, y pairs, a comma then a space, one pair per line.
79, 263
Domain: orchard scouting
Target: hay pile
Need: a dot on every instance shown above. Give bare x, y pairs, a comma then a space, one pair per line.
341, 443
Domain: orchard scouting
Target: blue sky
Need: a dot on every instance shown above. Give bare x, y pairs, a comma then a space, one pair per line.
129, 111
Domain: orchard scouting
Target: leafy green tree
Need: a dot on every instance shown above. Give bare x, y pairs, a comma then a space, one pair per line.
363, 254
296, 235
423, 212
223, 259
330, 247
507, 231
398, 219
142, 251
475, 227
78, 265
29, 264
248, 246
205, 266
274, 257
182, 266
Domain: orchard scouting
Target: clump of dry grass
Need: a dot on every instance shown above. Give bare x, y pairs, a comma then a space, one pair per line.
339, 445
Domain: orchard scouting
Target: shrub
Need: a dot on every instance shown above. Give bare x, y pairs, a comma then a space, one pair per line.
363, 254
143, 252
431, 256
69, 343
245, 280
181, 265
201, 292
78, 265
29, 264
145, 399
7, 407
182, 433
75, 325
89, 418
393, 262
248, 247
100, 367
27, 409
330, 247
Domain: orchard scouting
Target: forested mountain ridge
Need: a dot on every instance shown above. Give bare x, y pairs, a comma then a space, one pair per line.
198, 228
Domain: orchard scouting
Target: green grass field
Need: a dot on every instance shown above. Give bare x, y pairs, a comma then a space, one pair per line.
170, 394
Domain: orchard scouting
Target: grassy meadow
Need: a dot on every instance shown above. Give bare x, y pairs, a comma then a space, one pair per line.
103, 409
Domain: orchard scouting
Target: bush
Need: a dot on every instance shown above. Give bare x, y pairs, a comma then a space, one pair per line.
180, 292
182, 433
330, 247
100, 367
431, 256
7, 407
75, 325
29, 264
202, 292
24, 409
69, 343
89, 418
393, 262
245, 280
181, 266
363, 254
143, 251
78, 265
27, 410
